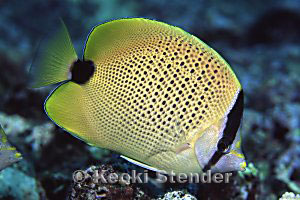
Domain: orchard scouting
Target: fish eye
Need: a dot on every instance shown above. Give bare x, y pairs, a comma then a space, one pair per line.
223, 146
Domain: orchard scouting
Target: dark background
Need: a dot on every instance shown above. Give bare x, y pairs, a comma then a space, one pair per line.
260, 40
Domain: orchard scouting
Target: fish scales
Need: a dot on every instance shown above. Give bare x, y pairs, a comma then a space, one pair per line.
153, 80
148, 90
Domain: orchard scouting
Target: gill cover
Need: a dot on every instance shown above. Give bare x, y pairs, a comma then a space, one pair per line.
223, 151
233, 160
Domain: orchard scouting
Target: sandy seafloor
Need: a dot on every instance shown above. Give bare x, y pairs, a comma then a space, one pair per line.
260, 40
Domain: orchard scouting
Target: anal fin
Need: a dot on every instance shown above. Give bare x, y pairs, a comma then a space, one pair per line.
65, 107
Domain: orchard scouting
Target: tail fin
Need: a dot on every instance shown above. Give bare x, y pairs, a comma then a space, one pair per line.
53, 59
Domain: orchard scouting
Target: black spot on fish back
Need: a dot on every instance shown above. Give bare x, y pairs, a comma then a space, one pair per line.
82, 71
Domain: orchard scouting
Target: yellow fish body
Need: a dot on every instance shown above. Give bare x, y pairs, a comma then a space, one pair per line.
150, 91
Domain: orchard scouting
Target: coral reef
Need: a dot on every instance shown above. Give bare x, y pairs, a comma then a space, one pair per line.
289, 195
260, 40
21, 130
177, 195
97, 183
17, 185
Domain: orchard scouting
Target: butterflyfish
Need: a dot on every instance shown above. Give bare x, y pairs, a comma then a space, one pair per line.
152, 92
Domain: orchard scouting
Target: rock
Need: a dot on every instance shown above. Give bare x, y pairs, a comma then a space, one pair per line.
289, 195
25, 131
98, 182
17, 185
177, 195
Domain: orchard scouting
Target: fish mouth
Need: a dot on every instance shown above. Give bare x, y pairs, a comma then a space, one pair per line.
229, 163
243, 166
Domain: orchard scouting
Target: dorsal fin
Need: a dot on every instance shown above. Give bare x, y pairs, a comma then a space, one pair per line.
123, 34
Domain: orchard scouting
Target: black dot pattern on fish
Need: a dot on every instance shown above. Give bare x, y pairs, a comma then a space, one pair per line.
153, 93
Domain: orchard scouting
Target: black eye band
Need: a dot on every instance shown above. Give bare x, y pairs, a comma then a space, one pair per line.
213, 160
234, 119
232, 125
223, 145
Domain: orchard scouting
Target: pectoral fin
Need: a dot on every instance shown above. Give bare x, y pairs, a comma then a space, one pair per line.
142, 164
